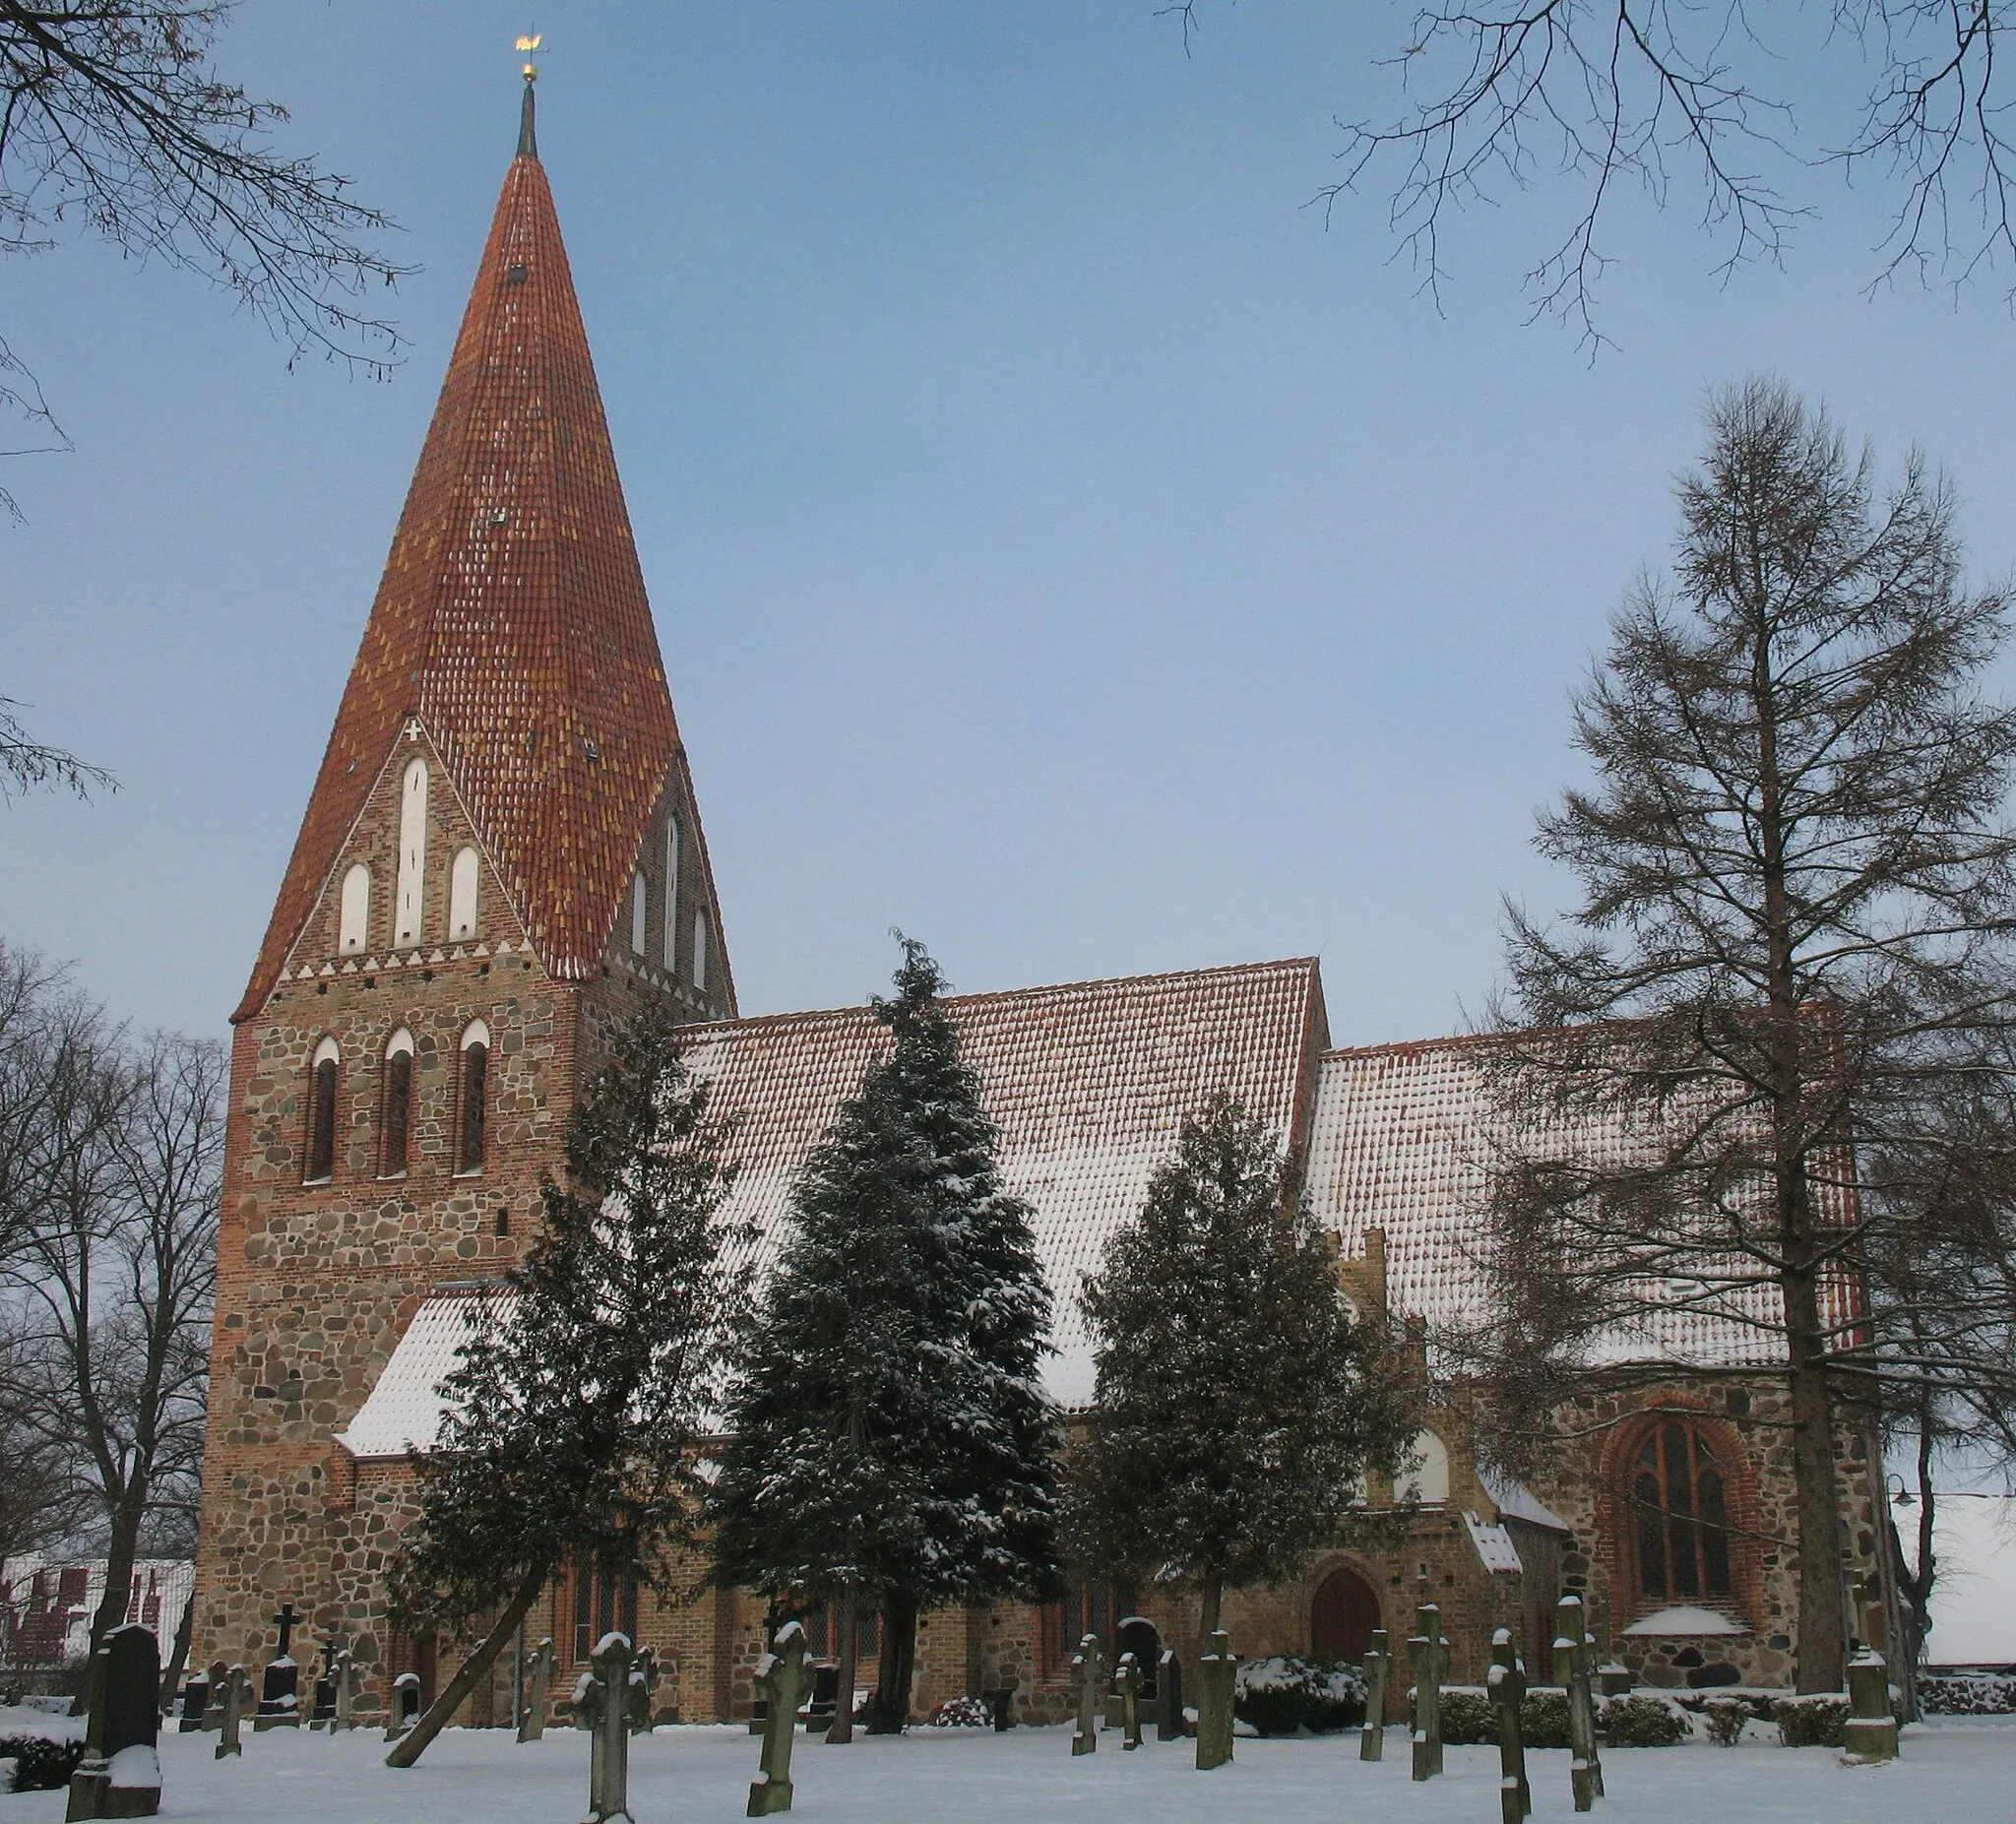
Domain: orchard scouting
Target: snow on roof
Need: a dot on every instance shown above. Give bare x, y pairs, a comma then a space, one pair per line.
1494, 1545
1087, 1082
404, 1409
1516, 1501
1403, 1139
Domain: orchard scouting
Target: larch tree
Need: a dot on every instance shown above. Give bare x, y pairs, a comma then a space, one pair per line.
1236, 1403
583, 1396
889, 1440
1789, 950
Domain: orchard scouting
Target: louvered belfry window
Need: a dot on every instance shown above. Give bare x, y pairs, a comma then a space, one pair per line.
1679, 1499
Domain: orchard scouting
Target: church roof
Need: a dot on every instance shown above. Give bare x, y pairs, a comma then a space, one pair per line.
512, 619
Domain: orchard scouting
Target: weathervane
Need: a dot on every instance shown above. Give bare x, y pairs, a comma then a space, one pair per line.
528, 44
527, 137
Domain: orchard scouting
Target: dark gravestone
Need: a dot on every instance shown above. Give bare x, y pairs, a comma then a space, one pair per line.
1169, 1697
194, 1703
406, 1705
220, 1680
825, 1703
323, 1712
279, 1693
121, 1776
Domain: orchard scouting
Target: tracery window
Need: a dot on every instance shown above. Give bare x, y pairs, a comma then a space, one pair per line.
395, 1122
1679, 1508
321, 1112
475, 1070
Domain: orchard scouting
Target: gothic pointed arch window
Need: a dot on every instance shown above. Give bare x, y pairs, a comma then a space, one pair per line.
1676, 1514
354, 932
474, 1113
396, 1116
700, 953
672, 919
410, 893
321, 1112
639, 900
463, 876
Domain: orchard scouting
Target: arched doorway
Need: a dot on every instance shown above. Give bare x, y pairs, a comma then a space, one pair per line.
1140, 1637
1343, 1616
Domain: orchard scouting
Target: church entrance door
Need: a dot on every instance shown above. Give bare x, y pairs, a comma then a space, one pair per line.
1343, 1616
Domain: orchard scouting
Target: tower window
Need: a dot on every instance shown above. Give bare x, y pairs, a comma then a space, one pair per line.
413, 854
638, 895
700, 953
475, 1068
322, 1113
1680, 1507
672, 925
461, 893
396, 1119
354, 926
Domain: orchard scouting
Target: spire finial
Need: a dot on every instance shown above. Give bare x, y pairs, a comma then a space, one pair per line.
527, 137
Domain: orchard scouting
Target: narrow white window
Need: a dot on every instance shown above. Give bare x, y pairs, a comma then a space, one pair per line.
461, 893
639, 894
355, 929
700, 953
412, 854
1426, 1481
672, 933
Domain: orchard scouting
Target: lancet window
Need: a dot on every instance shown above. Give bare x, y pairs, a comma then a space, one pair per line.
461, 895
1679, 1515
355, 922
321, 1112
395, 1122
473, 1114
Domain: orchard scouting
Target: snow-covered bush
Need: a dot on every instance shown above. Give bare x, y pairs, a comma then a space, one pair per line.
1284, 1694
1967, 1694
1468, 1716
1725, 1718
40, 1764
961, 1713
1812, 1722
1641, 1720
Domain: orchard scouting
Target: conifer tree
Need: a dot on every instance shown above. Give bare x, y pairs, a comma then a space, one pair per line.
575, 1412
890, 1440
1237, 1404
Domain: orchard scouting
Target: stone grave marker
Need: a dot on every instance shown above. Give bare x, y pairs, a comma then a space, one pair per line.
825, 1703
1870, 1733
214, 1713
1507, 1686
601, 1695
532, 1726
643, 1695
1088, 1666
1168, 1696
1612, 1678
194, 1703
323, 1712
1216, 1675
279, 1693
349, 1683
120, 1774
406, 1705
1127, 1682
782, 1675
1427, 1653
1572, 1657
1379, 1670
238, 1695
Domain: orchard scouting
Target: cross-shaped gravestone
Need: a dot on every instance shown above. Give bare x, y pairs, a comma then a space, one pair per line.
1088, 1667
280, 1696
348, 1682
323, 1712
643, 1690
1507, 1686
1572, 1656
1168, 1696
782, 1676
1870, 1731
532, 1726
1378, 1669
1427, 1653
1127, 1682
1217, 1675
214, 1713
285, 1621
237, 1694
609, 1778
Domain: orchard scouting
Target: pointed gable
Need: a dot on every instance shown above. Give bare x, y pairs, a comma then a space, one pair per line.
512, 618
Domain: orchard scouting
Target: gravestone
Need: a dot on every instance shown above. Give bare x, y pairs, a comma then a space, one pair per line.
644, 1678
1169, 1697
1572, 1657
1088, 1664
781, 1673
1127, 1681
1507, 1688
1379, 1670
237, 1698
1870, 1733
601, 1697
1217, 1675
825, 1702
1427, 1653
406, 1705
195, 1704
323, 1712
532, 1726
120, 1774
1612, 1678
350, 1685
279, 1693
219, 1678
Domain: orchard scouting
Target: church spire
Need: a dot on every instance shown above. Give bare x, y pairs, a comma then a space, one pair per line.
528, 136
512, 621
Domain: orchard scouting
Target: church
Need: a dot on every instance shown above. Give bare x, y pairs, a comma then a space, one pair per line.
503, 854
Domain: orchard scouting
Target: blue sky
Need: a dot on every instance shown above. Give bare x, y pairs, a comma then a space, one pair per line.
1063, 546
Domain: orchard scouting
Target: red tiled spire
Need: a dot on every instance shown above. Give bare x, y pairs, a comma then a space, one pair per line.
512, 619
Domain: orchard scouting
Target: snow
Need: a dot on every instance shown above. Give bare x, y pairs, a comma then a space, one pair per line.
1958, 1768
1494, 1545
404, 1409
1516, 1501
1685, 1620
137, 1766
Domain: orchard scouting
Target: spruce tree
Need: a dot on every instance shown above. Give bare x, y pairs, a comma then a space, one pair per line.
889, 1438
1237, 1404
576, 1410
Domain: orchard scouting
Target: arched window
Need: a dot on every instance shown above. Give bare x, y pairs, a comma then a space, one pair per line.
354, 930
1429, 1481
639, 894
700, 953
672, 925
321, 1112
461, 895
395, 1122
413, 854
475, 1070
1680, 1514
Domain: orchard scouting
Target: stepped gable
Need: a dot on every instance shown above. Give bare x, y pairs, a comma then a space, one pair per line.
1402, 1140
512, 619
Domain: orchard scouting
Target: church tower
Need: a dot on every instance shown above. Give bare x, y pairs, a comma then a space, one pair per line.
502, 853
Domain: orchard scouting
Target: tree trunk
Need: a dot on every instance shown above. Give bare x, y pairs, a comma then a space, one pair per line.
172, 1673
888, 1712
842, 1727
1822, 1599
122, 1546
1207, 1619
410, 1746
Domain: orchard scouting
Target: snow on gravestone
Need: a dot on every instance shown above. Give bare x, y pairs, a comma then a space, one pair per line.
121, 1776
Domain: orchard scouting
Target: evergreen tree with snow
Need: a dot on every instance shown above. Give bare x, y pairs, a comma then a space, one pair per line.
1236, 1403
890, 1442
574, 1415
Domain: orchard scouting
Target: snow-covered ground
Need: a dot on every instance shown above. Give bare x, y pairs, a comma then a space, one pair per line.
1955, 1772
